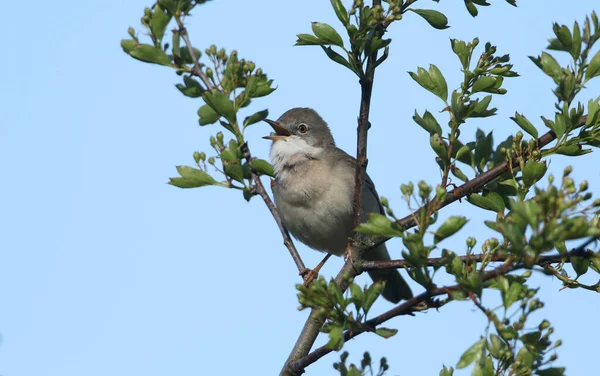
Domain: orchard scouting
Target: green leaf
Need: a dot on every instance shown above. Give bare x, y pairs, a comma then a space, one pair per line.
192, 88
553, 371
170, 5
308, 40
207, 115
357, 295
512, 294
431, 80
340, 11
525, 124
159, 21
576, 49
262, 167
548, 65
386, 332
256, 117
473, 354
533, 172
428, 122
149, 54
234, 171
483, 83
379, 224
492, 201
451, 226
336, 57
580, 264
593, 68
372, 294
192, 178
462, 51
434, 18
128, 44
327, 34
336, 338
439, 146
219, 102
447, 371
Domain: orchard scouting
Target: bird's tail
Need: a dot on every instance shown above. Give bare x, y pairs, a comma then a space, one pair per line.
396, 287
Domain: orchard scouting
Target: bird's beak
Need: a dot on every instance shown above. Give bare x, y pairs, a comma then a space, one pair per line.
280, 132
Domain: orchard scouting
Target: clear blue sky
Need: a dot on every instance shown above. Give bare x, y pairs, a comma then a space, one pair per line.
107, 270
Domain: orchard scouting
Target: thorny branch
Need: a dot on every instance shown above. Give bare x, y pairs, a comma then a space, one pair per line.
424, 301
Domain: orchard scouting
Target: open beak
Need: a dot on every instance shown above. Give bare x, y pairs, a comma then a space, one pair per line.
280, 132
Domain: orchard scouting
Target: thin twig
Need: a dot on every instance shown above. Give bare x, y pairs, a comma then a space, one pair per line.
411, 305
435, 261
472, 186
197, 70
260, 189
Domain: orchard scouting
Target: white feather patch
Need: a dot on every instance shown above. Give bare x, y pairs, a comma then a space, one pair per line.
291, 150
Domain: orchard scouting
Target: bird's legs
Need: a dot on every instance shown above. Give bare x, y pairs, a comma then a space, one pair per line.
309, 275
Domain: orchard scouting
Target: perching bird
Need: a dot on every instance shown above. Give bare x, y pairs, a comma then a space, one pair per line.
314, 191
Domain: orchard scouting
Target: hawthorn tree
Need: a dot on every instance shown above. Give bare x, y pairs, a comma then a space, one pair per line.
543, 222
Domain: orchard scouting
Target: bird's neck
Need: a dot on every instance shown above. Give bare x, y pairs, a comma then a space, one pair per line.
288, 153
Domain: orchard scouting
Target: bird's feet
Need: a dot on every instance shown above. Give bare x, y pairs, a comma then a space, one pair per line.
309, 275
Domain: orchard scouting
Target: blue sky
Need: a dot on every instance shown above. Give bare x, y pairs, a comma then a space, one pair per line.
107, 270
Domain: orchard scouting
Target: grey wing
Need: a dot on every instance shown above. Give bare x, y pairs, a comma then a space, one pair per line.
370, 198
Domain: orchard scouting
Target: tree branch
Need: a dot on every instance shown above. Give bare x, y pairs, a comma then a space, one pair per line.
466, 189
197, 69
352, 267
260, 189
412, 305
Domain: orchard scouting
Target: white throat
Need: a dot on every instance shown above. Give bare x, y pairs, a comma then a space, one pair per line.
290, 151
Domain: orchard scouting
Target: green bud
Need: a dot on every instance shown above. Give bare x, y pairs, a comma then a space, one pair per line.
596, 203
587, 196
259, 72
251, 66
197, 157
424, 190
553, 357
557, 343
220, 138
518, 137
583, 186
567, 171
550, 179
471, 242
213, 141
544, 325
209, 73
131, 32
527, 274
213, 49
385, 202
147, 12
145, 20
221, 53
440, 193
211, 160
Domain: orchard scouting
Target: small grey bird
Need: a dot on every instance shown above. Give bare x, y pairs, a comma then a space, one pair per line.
314, 191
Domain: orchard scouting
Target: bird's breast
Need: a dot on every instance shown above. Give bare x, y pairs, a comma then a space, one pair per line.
316, 206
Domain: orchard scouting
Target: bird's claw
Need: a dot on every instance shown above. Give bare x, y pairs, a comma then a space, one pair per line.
309, 275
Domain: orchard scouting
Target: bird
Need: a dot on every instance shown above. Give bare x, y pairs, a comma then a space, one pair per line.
314, 189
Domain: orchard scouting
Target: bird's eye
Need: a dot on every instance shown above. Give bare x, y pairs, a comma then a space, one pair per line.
302, 128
